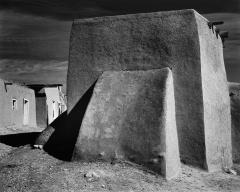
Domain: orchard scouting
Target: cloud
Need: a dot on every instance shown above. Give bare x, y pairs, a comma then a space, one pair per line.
24, 36
33, 71
69, 9
31, 66
58, 9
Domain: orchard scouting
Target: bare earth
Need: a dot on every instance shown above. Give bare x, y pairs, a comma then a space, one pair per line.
26, 169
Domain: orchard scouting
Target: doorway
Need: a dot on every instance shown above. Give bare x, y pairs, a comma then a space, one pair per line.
25, 112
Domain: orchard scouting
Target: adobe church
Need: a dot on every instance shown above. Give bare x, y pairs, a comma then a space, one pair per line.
150, 88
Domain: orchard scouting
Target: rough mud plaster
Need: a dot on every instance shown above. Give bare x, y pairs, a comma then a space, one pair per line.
152, 41
234, 92
216, 102
141, 42
132, 115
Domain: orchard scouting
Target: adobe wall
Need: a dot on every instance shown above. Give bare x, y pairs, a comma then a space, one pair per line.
2, 93
217, 117
131, 115
142, 42
52, 95
14, 118
154, 41
234, 92
41, 114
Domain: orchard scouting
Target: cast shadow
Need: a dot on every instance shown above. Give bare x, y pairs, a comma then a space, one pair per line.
19, 139
66, 127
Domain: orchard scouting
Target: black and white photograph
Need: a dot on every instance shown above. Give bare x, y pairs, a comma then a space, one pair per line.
119, 96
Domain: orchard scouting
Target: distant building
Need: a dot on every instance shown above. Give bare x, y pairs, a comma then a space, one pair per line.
17, 106
50, 103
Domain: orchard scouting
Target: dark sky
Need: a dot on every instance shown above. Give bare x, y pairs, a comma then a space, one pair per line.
34, 34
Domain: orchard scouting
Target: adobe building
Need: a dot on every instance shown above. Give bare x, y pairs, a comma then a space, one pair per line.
234, 92
50, 103
181, 40
17, 106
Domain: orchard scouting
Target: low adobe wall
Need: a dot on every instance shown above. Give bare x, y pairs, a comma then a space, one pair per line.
180, 40
131, 115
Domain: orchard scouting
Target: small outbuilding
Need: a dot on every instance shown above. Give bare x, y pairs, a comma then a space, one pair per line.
50, 102
17, 106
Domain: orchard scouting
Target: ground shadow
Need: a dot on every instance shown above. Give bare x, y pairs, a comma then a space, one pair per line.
19, 139
62, 141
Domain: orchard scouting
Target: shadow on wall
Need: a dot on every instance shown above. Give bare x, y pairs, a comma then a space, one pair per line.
16, 140
235, 116
60, 137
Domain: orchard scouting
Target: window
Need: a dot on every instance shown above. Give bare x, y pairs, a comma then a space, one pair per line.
14, 104
53, 107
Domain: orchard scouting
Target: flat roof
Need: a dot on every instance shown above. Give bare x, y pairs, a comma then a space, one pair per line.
43, 85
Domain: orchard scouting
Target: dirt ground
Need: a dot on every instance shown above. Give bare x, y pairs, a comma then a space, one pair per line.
5, 149
25, 169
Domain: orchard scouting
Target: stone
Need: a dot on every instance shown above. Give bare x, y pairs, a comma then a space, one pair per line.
38, 147
180, 40
234, 92
230, 171
91, 176
132, 113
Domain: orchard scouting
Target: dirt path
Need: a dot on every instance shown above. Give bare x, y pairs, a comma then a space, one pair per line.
25, 169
